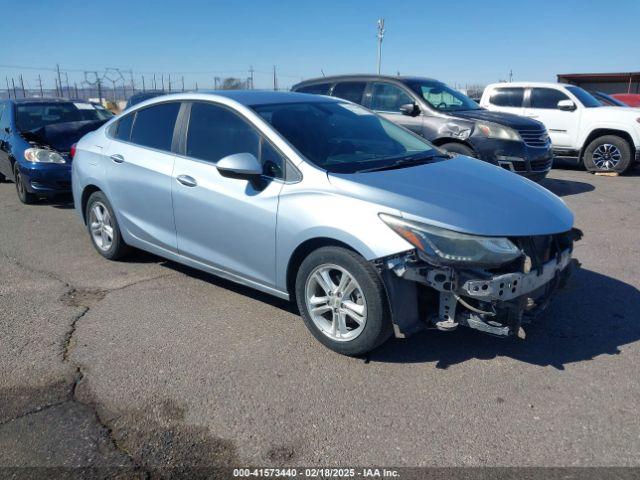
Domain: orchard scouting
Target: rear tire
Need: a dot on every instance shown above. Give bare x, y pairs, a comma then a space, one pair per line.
458, 149
103, 228
24, 196
350, 313
608, 153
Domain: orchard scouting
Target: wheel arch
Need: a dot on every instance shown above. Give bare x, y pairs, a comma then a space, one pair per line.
601, 132
86, 193
438, 142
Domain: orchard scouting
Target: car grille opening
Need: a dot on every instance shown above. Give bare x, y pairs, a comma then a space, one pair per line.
541, 165
534, 137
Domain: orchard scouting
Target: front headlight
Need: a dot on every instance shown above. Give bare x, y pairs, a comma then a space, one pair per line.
493, 130
41, 155
448, 247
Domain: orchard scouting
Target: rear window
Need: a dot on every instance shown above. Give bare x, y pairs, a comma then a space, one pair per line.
153, 126
507, 97
317, 89
352, 91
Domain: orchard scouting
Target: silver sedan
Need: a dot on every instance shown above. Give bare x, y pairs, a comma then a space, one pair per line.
369, 228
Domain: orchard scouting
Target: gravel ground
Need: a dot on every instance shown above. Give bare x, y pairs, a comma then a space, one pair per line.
145, 363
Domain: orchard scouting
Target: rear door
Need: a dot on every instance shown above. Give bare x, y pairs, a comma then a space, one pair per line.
507, 99
140, 166
386, 100
561, 125
226, 222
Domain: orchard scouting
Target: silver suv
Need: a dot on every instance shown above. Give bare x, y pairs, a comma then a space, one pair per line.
371, 229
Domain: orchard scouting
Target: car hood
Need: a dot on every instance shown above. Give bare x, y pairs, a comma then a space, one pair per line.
61, 136
502, 118
462, 194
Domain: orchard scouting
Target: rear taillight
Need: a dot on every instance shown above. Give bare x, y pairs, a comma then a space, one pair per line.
72, 152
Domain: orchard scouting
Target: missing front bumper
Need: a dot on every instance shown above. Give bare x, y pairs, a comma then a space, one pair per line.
423, 296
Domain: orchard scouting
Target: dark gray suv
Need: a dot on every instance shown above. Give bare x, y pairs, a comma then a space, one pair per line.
447, 118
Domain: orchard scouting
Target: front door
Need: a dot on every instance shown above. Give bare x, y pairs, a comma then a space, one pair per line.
561, 125
228, 223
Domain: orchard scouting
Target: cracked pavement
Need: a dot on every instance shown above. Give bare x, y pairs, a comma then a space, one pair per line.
146, 364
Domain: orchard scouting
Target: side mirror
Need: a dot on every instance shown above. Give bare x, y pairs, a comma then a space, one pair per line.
239, 165
410, 109
566, 105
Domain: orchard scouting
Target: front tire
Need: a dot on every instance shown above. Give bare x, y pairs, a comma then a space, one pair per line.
458, 149
21, 188
343, 301
103, 228
608, 153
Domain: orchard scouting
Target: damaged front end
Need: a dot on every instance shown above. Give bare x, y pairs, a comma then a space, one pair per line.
426, 292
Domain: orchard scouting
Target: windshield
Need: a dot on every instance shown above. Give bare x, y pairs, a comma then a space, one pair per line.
443, 98
32, 116
585, 98
345, 138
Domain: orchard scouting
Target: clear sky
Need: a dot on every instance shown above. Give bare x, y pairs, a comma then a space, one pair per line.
460, 41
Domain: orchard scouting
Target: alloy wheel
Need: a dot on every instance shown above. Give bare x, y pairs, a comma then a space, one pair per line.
607, 156
335, 302
101, 226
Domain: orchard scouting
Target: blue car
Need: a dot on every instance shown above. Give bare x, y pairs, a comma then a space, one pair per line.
36, 136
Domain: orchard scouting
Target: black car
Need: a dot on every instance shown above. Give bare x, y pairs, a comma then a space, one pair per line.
447, 118
142, 96
36, 136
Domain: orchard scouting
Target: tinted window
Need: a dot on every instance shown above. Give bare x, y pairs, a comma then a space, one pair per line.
388, 98
153, 126
507, 97
215, 132
585, 97
341, 137
2, 120
318, 89
122, 129
351, 91
546, 98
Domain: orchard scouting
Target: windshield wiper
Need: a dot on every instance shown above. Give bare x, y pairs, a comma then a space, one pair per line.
410, 160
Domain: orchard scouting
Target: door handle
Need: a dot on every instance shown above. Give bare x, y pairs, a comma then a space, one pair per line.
187, 181
117, 158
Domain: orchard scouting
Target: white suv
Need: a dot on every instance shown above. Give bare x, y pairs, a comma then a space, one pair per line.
581, 129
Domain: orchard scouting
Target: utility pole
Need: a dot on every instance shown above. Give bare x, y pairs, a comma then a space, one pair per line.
183, 83
275, 79
66, 76
143, 86
380, 36
75, 87
510, 76
251, 77
162, 78
24, 95
196, 86
59, 78
40, 83
8, 89
169, 82
215, 82
13, 84
133, 85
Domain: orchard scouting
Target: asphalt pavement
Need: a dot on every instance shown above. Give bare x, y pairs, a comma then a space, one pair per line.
144, 363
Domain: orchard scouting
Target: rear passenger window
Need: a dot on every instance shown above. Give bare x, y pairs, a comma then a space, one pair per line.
153, 126
351, 91
546, 98
507, 97
123, 128
318, 89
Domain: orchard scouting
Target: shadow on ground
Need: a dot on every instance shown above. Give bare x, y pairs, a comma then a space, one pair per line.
564, 188
596, 315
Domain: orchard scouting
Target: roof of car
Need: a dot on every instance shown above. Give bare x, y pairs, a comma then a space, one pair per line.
245, 97
528, 84
367, 76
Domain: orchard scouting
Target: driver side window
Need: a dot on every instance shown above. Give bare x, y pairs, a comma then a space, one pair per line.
388, 98
215, 132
